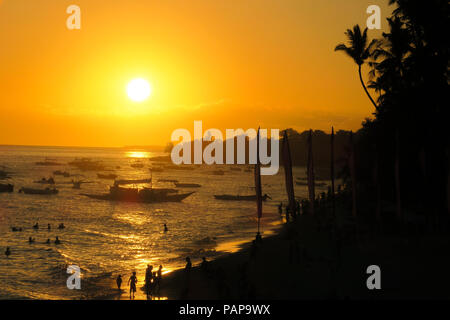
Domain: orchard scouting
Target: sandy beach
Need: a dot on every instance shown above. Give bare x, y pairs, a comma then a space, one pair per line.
319, 272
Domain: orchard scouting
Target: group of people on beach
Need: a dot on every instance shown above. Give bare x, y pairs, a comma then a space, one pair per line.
152, 281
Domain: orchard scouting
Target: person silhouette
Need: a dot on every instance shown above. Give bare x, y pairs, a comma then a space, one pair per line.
258, 238
7, 252
30, 240
119, 281
187, 273
148, 280
132, 282
36, 226
188, 266
48, 241
159, 277
280, 208
165, 228
49, 227
57, 241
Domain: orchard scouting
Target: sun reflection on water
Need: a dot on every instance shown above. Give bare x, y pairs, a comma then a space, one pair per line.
137, 154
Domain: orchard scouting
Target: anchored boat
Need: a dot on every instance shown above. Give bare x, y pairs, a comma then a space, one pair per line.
145, 195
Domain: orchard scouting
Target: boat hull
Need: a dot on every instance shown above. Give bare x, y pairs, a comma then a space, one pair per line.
140, 199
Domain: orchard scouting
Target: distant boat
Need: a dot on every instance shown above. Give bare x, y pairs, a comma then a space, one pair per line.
86, 164
218, 172
168, 180
47, 163
111, 176
229, 197
145, 195
130, 181
46, 191
61, 173
46, 181
187, 185
6, 188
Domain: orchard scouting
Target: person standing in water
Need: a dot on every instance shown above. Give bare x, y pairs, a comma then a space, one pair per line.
119, 281
132, 282
165, 228
7, 252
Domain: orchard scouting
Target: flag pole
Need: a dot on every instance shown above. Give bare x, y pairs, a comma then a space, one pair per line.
332, 174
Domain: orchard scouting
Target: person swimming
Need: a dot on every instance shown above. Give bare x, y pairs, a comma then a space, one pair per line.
165, 228
48, 241
57, 241
36, 226
7, 252
61, 226
30, 240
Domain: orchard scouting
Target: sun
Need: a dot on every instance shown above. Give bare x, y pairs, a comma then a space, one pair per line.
138, 90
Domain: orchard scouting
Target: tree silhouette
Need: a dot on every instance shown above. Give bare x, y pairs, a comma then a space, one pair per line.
359, 50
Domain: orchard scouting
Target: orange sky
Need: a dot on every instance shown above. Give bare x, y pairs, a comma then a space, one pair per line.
229, 63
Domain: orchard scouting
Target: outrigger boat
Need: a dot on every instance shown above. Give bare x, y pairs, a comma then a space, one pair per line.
136, 181
229, 197
111, 176
187, 185
46, 191
6, 188
168, 180
145, 195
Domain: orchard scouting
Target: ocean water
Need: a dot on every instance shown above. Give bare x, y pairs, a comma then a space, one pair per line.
108, 238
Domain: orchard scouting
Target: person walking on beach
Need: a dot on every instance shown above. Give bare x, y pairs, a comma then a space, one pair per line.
119, 281
7, 252
187, 274
132, 282
159, 278
148, 280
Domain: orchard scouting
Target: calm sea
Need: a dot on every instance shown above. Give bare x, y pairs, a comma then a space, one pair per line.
107, 238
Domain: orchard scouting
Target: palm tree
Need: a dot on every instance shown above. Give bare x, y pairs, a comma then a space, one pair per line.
359, 51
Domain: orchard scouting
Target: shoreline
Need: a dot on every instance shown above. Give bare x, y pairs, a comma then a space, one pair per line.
321, 270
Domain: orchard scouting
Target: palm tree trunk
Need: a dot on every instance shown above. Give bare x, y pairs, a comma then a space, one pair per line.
365, 89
